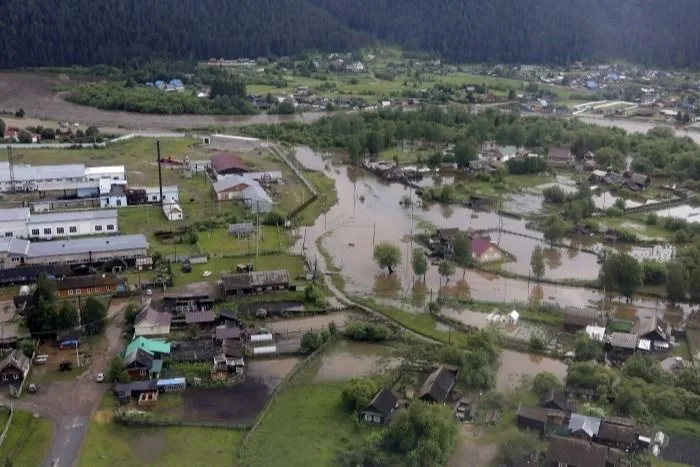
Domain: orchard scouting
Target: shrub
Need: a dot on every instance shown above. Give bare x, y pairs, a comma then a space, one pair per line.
367, 332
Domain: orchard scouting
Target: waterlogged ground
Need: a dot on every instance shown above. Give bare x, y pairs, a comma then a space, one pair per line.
347, 360
515, 365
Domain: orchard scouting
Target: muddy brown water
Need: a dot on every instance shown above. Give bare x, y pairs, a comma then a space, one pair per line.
368, 212
515, 365
311, 323
347, 360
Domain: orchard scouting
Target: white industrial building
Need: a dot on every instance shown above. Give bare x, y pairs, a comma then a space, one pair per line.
19, 222
127, 248
56, 177
153, 193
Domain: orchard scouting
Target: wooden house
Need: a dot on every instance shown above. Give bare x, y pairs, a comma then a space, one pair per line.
381, 407
255, 282
438, 385
14, 368
539, 419
93, 284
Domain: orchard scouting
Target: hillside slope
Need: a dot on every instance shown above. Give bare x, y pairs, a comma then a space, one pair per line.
64, 32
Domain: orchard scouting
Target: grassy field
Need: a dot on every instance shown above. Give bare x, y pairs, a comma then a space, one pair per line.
306, 426
109, 444
28, 440
327, 197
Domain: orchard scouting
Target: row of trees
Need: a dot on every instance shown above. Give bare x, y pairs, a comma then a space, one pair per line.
624, 274
658, 152
643, 390
45, 318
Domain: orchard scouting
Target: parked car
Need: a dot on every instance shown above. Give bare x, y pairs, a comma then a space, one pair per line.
33, 389
100, 377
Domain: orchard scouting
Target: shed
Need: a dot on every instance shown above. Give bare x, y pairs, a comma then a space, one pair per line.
596, 333
576, 319
14, 367
266, 350
539, 419
555, 399
438, 385
172, 384
381, 407
513, 317
583, 426
258, 281
200, 318
654, 329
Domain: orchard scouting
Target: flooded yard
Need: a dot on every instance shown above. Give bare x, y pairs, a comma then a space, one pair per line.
312, 323
515, 365
687, 212
347, 360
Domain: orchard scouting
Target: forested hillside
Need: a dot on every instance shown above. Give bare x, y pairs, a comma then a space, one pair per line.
63, 32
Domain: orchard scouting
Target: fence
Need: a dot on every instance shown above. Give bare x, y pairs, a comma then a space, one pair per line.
7, 425
298, 368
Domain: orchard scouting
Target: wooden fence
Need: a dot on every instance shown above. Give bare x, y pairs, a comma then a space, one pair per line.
7, 425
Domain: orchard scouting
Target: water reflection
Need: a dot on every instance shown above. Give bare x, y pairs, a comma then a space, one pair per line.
552, 258
536, 295
419, 294
387, 285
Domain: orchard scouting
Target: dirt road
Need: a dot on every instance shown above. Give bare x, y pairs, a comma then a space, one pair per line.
70, 404
35, 93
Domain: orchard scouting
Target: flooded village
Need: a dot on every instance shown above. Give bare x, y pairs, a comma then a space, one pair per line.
260, 311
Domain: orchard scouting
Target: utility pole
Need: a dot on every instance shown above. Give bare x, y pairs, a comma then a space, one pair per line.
160, 172
11, 166
257, 236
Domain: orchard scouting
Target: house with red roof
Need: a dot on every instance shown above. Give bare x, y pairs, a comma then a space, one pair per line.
483, 251
12, 135
224, 163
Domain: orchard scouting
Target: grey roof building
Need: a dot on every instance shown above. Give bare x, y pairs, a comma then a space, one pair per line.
37, 173
14, 214
584, 425
84, 245
72, 216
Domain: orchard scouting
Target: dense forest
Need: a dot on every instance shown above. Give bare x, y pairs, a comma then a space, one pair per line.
68, 32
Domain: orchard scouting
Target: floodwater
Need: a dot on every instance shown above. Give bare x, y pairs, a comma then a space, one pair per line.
633, 126
515, 365
685, 211
368, 212
524, 203
347, 360
607, 200
309, 159
271, 372
311, 323
560, 263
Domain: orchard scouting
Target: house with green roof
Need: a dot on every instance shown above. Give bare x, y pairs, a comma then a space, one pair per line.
158, 348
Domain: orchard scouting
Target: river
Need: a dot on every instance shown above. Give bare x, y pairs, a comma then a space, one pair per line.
368, 212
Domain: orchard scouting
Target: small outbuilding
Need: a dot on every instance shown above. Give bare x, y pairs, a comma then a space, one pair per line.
438, 385
513, 318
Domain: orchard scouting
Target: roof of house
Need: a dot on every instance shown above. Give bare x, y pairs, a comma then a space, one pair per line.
140, 358
638, 178
73, 216
151, 346
254, 193
14, 246
589, 425
225, 332
559, 153
198, 317
16, 359
14, 214
228, 182
572, 451
580, 316
383, 402
539, 414
81, 282
439, 384
617, 433
623, 340
254, 279
224, 161
556, 397
230, 315
136, 387
480, 245
88, 244
153, 317
644, 327
105, 170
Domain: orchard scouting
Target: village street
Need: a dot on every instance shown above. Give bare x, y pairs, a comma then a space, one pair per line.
70, 404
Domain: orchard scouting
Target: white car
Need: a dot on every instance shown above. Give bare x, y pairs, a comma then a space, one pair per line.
100, 377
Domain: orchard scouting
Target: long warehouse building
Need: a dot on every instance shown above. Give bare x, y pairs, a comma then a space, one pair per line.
64, 176
20, 222
17, 252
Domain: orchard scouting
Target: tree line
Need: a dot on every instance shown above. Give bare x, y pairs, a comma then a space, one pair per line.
540, 31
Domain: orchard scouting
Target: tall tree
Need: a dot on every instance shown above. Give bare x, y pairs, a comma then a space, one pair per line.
623, 272
374, 143
387, 255
41, 314
93, 316
537, 263
462, 253
446, 269
465, 151
676, 282
67, 316
419, 263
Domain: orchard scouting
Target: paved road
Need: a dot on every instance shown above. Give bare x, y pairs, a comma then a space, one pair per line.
70, 404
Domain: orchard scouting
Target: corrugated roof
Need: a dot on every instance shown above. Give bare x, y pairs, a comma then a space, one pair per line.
108, 170
14, 214
14, 245
27, 173
73, 216
95, 245
225, 183
150, 345
223, 161
255, 193
589, 425
171, 382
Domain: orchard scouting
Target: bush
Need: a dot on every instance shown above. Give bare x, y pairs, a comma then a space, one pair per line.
274, 218
652, 219
367, 332
312, 341
545, 381
358, 393
314, 296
